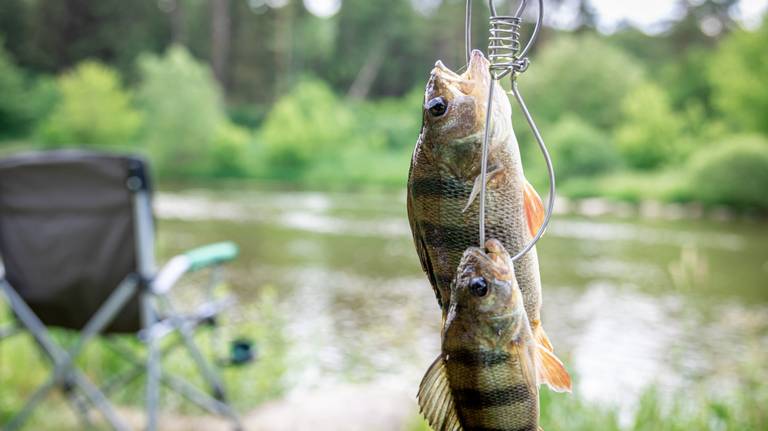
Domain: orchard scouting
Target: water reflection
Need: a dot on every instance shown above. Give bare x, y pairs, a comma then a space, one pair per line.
359, 308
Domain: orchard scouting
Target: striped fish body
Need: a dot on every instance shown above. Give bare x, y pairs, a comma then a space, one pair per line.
437, 200
443, 182
490, 388
485, 377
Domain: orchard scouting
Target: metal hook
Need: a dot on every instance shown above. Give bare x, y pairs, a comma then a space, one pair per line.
507, 58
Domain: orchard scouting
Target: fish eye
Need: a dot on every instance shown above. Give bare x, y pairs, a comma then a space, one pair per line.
478, 286
437, 107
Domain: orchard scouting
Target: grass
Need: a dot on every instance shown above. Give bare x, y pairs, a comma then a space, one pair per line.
22, 368
744, 409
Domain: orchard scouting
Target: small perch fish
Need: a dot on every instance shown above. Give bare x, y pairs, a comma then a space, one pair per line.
444, 182
487, 375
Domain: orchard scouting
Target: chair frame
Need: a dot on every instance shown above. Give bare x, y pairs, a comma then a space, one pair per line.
152, 288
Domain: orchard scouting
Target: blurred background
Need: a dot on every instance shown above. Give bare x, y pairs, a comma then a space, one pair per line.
288, 126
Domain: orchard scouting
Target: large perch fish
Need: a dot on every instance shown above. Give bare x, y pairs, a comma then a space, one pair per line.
487, 374
444, 182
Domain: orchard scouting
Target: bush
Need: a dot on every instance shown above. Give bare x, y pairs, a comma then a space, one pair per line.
733, 173
580, 150
651, 132
94, 109
229, 147
187, 132
583, 75
303, 126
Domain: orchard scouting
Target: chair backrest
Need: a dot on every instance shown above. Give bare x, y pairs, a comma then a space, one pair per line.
67, 233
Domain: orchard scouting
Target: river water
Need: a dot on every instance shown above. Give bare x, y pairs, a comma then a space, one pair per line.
627, 303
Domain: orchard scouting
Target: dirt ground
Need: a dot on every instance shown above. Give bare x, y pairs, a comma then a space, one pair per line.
346, 408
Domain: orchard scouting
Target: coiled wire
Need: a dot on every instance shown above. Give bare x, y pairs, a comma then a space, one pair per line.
508, 58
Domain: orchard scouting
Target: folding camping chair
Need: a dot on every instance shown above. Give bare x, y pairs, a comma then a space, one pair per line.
77, 245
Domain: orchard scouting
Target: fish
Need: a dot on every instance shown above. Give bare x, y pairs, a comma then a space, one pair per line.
487, 374
444, 182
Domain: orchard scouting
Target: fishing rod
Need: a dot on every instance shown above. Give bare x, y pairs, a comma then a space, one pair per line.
508, 57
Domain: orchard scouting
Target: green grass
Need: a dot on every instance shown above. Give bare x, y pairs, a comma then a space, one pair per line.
690, 409
22, 368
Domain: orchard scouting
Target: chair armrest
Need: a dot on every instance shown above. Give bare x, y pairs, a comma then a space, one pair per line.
213, 254
190, 261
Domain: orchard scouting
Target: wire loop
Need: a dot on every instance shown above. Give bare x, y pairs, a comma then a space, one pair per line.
508, 58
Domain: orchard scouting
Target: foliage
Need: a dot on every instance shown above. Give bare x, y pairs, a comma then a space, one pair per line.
230, 145
579, 149
94, 109
310, 136
187, 131
580, 75
23, 101
734, 173
739, 75
649, 134
305, 124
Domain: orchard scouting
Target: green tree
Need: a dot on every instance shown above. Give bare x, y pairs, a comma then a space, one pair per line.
307, 123
650, 131
739, 75
94, 109
14, 117
184, 111
24, 101
582, 75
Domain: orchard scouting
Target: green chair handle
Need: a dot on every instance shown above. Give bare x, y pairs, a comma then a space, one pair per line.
212, 254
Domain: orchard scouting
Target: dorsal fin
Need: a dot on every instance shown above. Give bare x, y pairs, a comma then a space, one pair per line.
534, 208
436, 400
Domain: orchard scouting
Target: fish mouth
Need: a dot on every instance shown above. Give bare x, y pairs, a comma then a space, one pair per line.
473, 81
493, 258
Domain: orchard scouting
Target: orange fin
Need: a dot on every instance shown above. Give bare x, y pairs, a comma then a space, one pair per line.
551, 371
527, 365
534, 208
541, 337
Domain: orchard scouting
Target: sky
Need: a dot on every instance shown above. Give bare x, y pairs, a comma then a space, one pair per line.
645, 14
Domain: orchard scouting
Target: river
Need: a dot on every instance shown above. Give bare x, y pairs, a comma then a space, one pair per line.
628, 303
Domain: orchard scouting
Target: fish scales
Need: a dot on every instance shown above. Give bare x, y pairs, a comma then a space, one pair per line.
444, 168
485, 376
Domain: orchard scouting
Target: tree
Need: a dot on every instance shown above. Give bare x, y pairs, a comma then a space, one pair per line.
739, 75
184, 112
650, 131
94, 109
23, 100
582, 75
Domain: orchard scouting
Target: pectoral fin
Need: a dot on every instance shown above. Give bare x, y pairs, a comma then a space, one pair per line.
436, 400
551, 371
534, 208
478, 186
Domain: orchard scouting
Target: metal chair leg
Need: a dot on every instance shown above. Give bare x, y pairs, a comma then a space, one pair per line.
99, 401
153, 363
